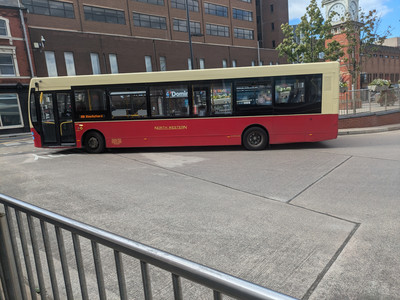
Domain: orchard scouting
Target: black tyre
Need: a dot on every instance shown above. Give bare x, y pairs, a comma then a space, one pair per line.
94, 142
255, 138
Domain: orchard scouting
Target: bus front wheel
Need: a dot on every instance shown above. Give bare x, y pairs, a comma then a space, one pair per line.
255, 138
94, 142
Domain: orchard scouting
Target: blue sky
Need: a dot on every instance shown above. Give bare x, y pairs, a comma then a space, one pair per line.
389, 10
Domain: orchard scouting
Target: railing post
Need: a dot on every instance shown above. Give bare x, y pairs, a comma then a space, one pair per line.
386, 105
12, 289
369, 100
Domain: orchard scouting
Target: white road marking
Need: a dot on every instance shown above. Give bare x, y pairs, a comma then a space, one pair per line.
172, 161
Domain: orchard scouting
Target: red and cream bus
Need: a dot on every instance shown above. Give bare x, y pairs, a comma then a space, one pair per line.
250, 106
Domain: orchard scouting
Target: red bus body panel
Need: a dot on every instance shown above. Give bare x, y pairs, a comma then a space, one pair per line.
210, 131
37, 140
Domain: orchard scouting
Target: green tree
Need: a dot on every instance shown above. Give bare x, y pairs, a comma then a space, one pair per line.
311, 38
363, 40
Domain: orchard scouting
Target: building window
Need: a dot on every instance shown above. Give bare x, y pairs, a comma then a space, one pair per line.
241, 33
242, 14
163, 63
10, 111
7, 67
181, 4
147, 61
94, 58
104, 15
3, 27
181, 25
273, 44
155, 2
202, 63
50, 8
217, 10
51, 63
217, 30
224, 63
113, 63
141, 20
189, 64
271, 7
273, 26
247, 1
69, 63
234, 63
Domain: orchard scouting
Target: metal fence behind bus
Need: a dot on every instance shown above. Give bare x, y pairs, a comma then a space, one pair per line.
47, 256
368, 101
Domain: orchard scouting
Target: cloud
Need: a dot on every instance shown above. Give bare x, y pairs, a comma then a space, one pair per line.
297, 8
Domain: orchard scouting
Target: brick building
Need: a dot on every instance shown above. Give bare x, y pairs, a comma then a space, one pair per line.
16, 68
104, 36
384, 63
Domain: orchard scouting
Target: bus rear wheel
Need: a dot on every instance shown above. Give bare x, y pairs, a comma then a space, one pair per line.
94, 142
255, 138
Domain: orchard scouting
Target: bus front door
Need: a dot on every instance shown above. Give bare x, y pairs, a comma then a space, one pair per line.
65, 121
57, 128
48, 126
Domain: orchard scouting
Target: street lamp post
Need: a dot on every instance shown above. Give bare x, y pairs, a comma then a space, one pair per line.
189, 34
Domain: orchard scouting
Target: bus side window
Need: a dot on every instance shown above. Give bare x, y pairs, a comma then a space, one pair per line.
253, 94
128, 104
177, 101
156, 102
171, 101
90, 100
33, 108
315, 86
200, 95
80, 101
289, 90
221, 99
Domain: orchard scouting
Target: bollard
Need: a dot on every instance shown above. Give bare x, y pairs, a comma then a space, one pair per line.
8, 269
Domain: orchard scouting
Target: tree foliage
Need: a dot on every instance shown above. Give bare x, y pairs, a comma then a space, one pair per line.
363, 39
313, 34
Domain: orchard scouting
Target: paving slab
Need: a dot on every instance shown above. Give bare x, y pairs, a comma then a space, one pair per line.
368, 267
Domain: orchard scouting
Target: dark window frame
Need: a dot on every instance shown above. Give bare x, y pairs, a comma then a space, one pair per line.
7, 65
104, 15
153, 2
215, 9
149, 21
50, 8
242, 33
3, 28
240, 14
181, 4
180, 25
217, 30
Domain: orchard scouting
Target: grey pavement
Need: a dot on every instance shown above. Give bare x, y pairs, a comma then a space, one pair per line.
375, 129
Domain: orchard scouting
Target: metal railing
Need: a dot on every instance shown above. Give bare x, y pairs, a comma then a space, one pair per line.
51, 266
368, 101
